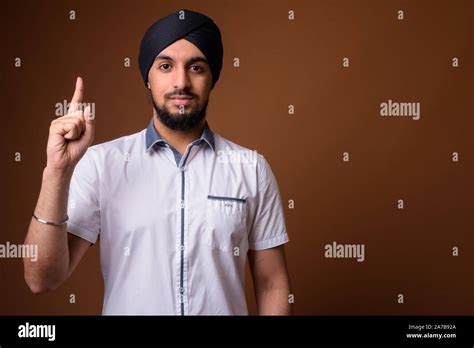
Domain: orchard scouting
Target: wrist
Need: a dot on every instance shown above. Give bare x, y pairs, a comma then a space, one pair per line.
58, 173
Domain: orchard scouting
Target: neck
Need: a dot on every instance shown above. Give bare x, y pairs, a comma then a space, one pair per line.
178, 139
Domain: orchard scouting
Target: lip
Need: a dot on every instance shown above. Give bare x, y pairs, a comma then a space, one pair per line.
182, 97
182, 100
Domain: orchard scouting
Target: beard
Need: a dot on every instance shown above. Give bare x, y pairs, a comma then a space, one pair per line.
180, 121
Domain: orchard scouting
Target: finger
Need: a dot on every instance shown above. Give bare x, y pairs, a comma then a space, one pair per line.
77, 97
74, 131
79, 119
67, 130
73, 134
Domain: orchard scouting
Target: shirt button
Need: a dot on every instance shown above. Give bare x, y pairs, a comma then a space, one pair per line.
183, 168
181, 290
181, 247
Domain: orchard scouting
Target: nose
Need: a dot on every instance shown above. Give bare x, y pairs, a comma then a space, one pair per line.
181, 79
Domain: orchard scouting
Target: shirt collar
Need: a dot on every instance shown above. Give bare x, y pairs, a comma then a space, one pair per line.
152, 137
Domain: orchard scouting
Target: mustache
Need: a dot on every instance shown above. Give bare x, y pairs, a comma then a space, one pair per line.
180, 93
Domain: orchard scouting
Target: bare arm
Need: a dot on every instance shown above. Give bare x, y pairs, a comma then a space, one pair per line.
58, 252
271, 281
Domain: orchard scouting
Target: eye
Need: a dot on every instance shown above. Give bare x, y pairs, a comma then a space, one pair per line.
197, 68
165, 66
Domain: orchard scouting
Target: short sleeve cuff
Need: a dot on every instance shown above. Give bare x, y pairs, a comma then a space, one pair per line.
269, 243
82, 232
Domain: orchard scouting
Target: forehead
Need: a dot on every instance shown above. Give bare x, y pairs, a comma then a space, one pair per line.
181, 50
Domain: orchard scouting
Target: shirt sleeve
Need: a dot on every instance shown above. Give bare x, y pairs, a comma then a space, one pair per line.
268, 228
84, 202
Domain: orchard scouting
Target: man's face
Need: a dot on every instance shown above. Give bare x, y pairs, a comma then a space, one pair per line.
180, 81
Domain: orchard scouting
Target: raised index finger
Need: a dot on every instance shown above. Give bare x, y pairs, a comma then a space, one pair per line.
77, 97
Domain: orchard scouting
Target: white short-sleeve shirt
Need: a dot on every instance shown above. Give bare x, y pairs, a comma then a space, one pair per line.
175, 230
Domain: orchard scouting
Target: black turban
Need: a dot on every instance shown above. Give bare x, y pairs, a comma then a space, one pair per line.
183, 24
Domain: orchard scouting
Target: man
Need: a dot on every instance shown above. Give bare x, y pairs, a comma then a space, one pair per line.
177, 207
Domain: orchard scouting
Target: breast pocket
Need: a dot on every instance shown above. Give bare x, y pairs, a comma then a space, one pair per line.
225, 222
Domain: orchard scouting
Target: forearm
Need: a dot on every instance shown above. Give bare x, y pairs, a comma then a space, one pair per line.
274, 298
52, 264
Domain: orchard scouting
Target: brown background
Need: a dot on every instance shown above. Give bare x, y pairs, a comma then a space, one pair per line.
282, 62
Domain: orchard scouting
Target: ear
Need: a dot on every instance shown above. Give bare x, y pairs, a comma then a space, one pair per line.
148, 85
